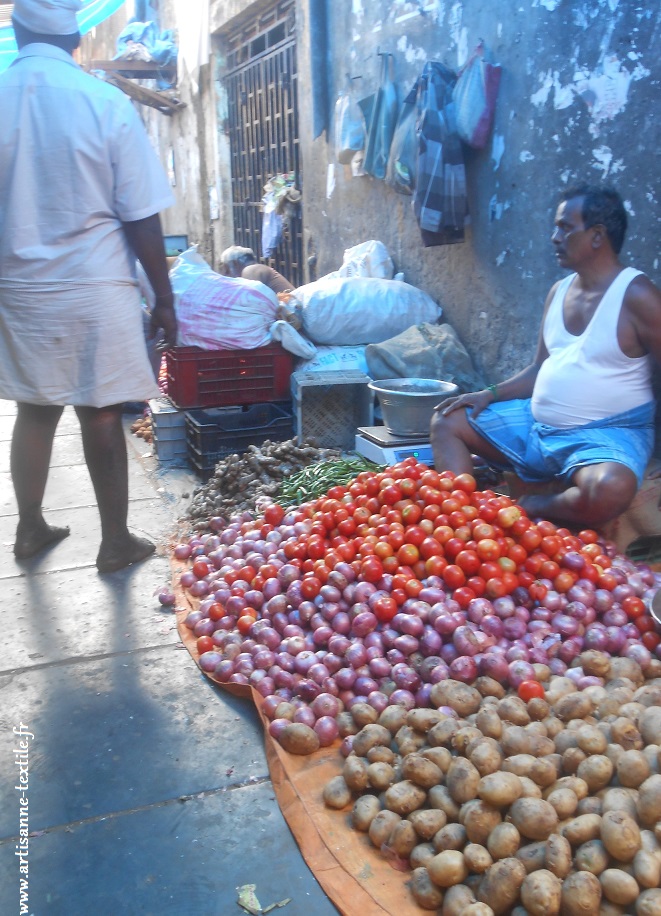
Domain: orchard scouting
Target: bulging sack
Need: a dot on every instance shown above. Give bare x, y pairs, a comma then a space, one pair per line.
474, 95
351, 311
219, 313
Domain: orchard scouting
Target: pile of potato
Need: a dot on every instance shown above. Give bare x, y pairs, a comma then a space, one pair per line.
549, 807
142, 428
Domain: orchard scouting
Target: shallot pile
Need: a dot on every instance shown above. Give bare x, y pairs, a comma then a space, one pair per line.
401, 579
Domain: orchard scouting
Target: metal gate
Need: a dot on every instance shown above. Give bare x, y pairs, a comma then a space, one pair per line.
261, 83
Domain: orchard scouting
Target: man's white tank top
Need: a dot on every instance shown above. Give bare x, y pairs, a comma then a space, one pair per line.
587, 376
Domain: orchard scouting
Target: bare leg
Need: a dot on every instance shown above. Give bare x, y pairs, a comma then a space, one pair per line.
31, 447
597, 494
454, 440
105, 454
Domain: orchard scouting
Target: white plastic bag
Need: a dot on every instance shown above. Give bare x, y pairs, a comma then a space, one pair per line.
337, 359
219, 313
350, 131
291, 340
369, 259
349, 311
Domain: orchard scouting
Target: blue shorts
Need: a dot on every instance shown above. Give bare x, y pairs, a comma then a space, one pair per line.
539, 452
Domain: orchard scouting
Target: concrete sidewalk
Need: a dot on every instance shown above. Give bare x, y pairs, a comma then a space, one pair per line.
145, 789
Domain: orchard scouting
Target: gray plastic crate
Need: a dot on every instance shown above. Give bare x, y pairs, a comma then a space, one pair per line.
169, 430
330, 406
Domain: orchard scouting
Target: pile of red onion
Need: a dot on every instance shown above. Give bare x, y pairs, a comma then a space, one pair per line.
326, 653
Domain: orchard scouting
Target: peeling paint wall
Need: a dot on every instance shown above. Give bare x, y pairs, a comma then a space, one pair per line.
579, 90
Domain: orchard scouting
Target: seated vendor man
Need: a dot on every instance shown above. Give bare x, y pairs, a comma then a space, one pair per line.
241, 262
583, 411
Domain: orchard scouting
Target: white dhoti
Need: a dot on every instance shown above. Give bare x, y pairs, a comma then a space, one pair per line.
70, 343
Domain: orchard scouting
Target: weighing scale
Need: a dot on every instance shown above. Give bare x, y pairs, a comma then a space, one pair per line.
382, 447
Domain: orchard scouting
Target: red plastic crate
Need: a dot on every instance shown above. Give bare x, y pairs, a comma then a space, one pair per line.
219, 378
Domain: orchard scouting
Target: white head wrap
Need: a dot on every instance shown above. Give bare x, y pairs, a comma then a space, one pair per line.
48, 17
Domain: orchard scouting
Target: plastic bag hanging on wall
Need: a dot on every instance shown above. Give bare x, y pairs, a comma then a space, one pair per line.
382, 122
400, 172
350, 132
475, 96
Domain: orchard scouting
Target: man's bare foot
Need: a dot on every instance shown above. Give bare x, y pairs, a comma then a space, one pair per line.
118, 556
30, 542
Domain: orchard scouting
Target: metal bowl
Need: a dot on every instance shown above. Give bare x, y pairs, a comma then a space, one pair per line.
407, 404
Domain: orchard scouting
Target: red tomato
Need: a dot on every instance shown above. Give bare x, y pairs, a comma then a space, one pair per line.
588, 536
200, 569
469, 561
371, 569
633, 607
482, 529
408, 554
310, 586
452, 547
204, 644
408, 486
477, 585
530, 539
435, 565
651, 640
551, 545
384, 608
274, 514
529, 690
537, 590
488, 550
508, 515
465, 482
644, 624
463, 595
564, 580
413, 588
216, 611
414, 535
390, 495
454, 576
495, 588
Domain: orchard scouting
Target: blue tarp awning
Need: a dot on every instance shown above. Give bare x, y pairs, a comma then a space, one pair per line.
92, 13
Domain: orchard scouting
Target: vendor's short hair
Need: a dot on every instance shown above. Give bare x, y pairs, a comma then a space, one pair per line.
236, 254
602, 206
25, 36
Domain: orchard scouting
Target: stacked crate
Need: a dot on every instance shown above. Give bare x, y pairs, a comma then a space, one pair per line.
232, 399
330, 406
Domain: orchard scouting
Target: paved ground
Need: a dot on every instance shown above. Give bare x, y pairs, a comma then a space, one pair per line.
147, 788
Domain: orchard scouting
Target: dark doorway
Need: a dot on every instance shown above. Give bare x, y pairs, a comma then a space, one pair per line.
261, 82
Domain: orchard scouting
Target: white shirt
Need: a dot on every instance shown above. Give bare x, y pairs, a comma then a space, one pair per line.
586, 376
64, 192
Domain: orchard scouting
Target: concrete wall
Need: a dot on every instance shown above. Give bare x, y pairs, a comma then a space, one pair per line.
578, 94
580, 85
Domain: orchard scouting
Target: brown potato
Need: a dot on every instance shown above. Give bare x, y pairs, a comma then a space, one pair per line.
297, 738
532, 856
649, 801
421, 854
519, 764
337, 793
355, 773
622, 667
620, 835
581, 894
544, 772
427, 822
512, 709
404, 797
392, 718
618, 887
564, 801
477, 858
647, 868
440, 735
573, 706
578, 786
381, 754
503, 842
596, 771
479, 819
439, 797
380, 776
516, 740
538, 709
489, 722
441, 756
425, 893
408, 740
592, 856
500, 885
452, 836
462, 780
558, 856
382, 826
625, 733
529, 788
478, 909
346, 724
620, 799
649, 903
464, 737
461, 697
534, 818
582, 828
370, 736
447, 868
590, 805
364, 810
500, 789
572, 758
632, 769
541, 893
423, 719
364, 714
456, 900
422, 771
595, 663
403, 839
591, 740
